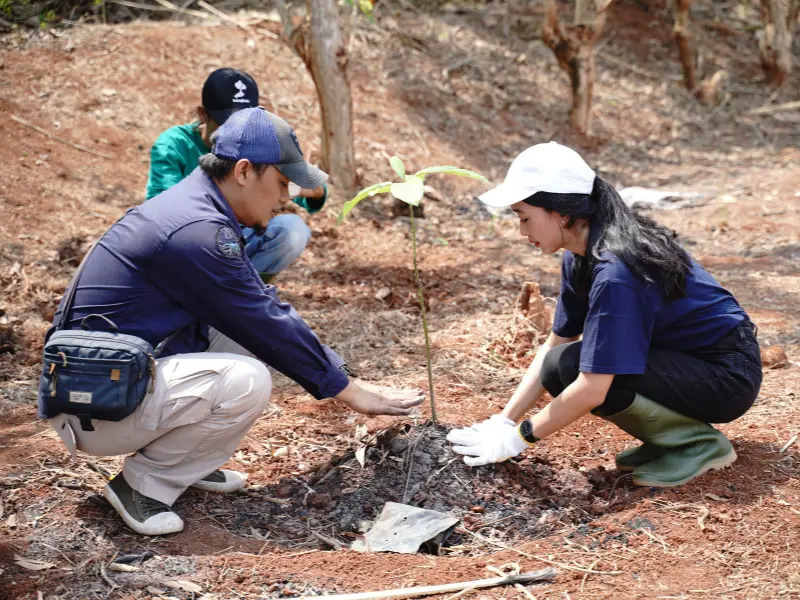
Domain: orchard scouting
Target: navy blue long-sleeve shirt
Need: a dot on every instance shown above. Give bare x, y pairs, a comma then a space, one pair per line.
177, 263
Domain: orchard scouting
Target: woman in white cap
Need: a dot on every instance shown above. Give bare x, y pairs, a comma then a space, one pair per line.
642, 335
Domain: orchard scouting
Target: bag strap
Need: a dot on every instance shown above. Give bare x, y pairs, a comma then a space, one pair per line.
162, 344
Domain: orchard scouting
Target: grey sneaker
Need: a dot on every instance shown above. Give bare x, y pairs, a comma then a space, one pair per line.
222, 480
144, 515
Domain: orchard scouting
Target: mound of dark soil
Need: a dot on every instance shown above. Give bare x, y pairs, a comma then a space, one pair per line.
519, 499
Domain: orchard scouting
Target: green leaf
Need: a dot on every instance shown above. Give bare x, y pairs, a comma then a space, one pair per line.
451, 171
366, 7
410, 191
398, 167
378, 188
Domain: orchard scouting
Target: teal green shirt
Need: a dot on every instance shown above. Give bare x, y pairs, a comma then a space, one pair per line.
175, 155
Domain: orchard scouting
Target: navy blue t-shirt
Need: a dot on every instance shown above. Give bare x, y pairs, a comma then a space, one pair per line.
623, 316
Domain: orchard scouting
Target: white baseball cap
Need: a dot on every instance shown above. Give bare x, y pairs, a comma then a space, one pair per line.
547, 167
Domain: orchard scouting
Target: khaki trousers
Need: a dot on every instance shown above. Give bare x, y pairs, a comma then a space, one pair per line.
202, 406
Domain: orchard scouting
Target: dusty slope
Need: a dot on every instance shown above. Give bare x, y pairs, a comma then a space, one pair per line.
726, 536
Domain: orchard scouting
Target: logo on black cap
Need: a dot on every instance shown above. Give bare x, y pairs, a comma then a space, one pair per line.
239, 96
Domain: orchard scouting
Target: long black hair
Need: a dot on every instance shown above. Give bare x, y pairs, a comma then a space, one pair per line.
651, 251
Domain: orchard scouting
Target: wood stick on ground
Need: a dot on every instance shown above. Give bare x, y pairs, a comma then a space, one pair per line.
586, 575
22, 121
139, 5
106, 579
222, 15
522, 589
539, 558
461, 594
787, 444
184, 11
429, 590
763, 110
97, 468
329, 541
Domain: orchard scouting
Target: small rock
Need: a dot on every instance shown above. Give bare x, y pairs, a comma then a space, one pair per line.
774, 357
285, 490
319, 501
383, 293
108, 92
281, 453
398, 445
477, 509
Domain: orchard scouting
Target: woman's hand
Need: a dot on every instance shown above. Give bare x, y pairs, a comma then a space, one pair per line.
492, 443
492, 422
370, 399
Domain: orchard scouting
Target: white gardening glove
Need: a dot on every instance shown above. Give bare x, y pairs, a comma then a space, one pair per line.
492, 444
490, 423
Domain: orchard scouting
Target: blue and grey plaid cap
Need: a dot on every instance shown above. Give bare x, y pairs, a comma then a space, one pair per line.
263, 138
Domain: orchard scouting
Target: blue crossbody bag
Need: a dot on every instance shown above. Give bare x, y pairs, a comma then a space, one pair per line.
92, 374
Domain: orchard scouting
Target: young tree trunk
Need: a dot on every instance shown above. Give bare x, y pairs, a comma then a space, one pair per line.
775, 45
574, 50
684, 39
318, 42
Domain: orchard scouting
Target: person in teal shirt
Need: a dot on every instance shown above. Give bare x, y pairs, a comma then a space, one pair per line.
177, 150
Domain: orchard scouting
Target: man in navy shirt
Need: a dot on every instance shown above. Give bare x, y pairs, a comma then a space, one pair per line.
177, 264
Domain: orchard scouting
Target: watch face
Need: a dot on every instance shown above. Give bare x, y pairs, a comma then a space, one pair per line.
526, 430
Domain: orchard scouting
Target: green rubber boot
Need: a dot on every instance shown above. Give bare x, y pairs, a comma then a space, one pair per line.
629, 459
688, 447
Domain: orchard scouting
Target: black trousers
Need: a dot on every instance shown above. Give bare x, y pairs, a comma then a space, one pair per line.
716, 384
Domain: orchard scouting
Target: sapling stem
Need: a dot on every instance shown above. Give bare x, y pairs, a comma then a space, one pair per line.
424, 316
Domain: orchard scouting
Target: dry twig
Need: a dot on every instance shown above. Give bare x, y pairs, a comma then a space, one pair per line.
429, 590
540, 558
221, 15
765, 110
25, 123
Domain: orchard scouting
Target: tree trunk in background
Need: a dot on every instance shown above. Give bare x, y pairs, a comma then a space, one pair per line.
775, 45
329, 70
321, 47
574, 50
684, 38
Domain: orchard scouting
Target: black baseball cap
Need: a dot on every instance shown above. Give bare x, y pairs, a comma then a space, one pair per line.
228, 90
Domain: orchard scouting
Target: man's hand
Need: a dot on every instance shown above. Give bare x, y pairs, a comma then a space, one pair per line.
492, 443
370, 399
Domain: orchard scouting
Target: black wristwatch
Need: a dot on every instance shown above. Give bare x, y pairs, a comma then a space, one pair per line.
526, 432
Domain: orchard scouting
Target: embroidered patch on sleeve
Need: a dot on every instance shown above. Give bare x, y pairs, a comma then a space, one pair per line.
228, 243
